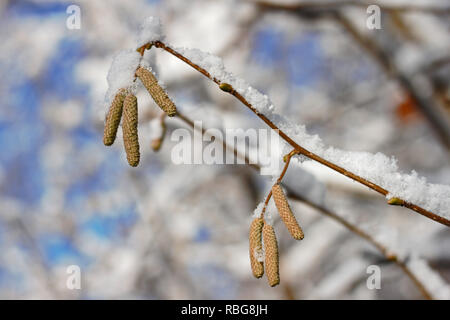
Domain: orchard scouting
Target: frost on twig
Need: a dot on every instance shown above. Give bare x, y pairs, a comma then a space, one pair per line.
214, 65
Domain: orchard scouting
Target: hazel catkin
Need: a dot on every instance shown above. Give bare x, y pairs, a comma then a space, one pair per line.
129, 128
271, 260
255, 247
156, 91
113, 118
286, 213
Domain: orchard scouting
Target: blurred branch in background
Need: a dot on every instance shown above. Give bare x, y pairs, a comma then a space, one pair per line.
425, 102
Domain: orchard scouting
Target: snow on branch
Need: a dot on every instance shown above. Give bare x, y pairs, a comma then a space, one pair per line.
377, 171
377, 168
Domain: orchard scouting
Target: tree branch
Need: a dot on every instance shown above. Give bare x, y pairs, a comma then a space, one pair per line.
296, 146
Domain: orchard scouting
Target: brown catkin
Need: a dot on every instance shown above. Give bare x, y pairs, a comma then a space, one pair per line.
271, 255
286, 213
255, 246
156, 91
113, 118
129, 128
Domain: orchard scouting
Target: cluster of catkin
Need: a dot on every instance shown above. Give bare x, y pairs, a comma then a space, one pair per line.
124, 106
260, 232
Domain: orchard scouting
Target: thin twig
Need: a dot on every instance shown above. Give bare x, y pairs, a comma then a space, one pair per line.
300, 149
287, 159
266, 203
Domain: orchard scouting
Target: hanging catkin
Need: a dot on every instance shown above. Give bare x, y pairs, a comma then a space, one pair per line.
255, 247
113, 118
156, 91
271, 255
286, 213
129, 128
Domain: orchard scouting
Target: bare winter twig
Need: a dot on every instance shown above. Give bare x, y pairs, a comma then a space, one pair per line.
299, 149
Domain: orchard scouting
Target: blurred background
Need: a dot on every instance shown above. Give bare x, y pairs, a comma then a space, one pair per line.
165, 231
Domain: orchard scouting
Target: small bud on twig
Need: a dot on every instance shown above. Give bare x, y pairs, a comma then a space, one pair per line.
142, 49
396, 201
225, 87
